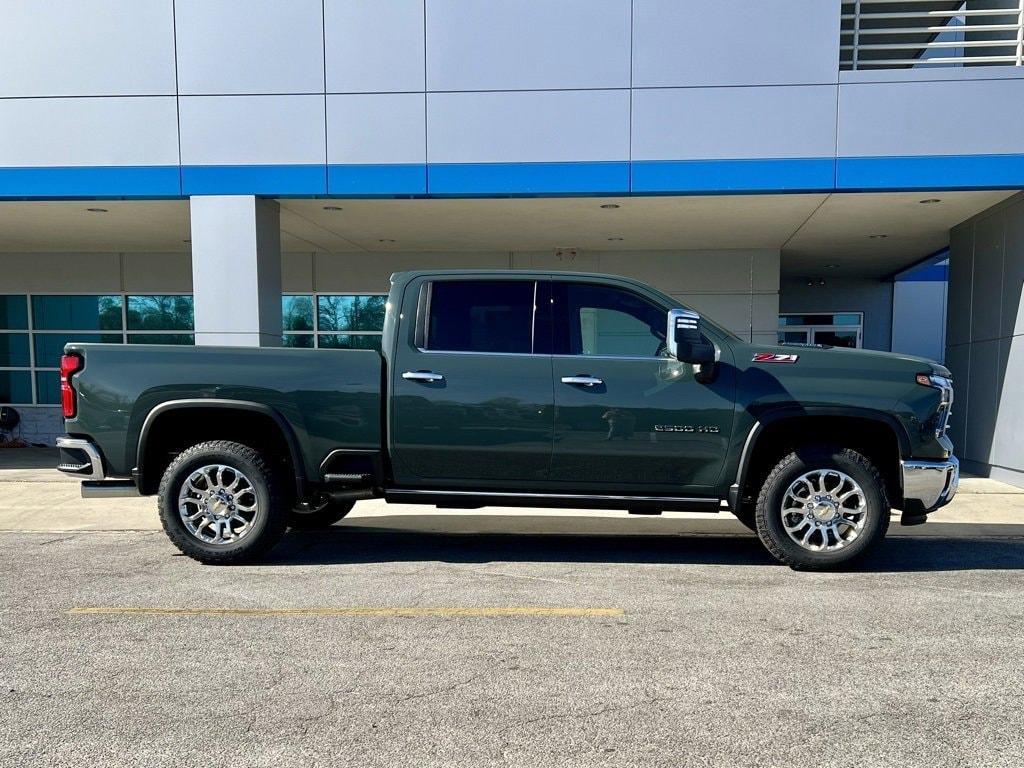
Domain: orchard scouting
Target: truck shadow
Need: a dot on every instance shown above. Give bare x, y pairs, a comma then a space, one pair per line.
338, 546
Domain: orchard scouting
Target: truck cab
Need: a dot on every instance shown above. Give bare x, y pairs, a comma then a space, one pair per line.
519, 388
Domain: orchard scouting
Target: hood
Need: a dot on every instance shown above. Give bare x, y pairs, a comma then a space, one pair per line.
855, 358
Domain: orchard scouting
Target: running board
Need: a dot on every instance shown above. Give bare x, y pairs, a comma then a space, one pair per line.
108, 489
477, 499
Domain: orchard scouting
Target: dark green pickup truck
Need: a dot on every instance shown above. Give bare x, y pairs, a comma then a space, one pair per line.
511, 388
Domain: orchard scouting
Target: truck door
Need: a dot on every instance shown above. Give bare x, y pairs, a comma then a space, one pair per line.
471, 401
626, 414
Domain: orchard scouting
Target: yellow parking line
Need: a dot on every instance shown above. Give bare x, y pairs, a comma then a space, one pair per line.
353, 611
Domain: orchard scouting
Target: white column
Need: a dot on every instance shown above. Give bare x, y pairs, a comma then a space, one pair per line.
236, 270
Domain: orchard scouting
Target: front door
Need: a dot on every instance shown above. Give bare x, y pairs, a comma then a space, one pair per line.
627, 414
471, 402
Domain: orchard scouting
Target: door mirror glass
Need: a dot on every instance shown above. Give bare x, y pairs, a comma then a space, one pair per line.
685, 341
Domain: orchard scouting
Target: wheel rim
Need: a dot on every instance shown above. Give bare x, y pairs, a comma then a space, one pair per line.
218, 504
824, 510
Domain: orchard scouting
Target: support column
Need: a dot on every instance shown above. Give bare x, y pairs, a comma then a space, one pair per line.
236, 270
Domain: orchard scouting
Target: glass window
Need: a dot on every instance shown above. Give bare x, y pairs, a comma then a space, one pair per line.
606, 321
50, 346
160, 313
836, 338
793, 337
15, 387
481, 316
14, 350
350, 341
297, 313
161, 338
13, 313
351, 313
47, 387
299, 340
76, 313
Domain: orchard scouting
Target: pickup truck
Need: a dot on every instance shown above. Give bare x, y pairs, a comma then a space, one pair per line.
516, 388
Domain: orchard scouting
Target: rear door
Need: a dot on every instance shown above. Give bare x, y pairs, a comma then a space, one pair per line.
471, 397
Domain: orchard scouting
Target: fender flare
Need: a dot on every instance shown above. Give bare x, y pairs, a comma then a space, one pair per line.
795, 412
238, 405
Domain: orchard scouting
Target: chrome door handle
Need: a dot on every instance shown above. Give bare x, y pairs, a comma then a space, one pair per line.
583, 380
422, 376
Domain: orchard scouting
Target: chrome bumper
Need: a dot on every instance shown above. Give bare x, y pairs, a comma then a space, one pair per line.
928, 485
82, 459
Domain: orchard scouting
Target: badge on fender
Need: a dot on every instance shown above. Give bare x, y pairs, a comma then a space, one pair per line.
771, 357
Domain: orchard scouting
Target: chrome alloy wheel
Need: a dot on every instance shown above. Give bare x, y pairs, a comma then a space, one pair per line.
824, 510
218, 504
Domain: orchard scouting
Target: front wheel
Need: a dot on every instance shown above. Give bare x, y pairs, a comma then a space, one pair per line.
220, 503
822, 507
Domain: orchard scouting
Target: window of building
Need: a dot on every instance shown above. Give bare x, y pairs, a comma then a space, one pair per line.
481, 316
604, 321
838, 329
333, 321
35, 327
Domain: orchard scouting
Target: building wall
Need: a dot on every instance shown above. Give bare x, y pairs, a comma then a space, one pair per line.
985, 340
164, 98
919, 312
844, 294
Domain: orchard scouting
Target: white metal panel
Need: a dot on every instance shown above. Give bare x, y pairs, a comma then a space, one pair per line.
376, 128
534, 126
717, 123
374, 47
931, 118
249, 46
527, 44
1013, 272
918, 318
735, 42
100, 48
86, 132
252, 130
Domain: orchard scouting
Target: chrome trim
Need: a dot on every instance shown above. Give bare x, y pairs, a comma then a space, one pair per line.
109, 489
594, 496
428, 376
582, 380
95, 462
931, 483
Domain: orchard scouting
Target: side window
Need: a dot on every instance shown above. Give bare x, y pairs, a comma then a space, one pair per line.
480, 316
606, 321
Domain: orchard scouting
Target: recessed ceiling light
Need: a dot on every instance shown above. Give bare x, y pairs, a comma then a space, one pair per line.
332, 208
611, 206
877, 237
930, 201
385, 240
97, 210
615, 239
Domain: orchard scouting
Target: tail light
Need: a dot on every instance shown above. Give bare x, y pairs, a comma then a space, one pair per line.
69, 365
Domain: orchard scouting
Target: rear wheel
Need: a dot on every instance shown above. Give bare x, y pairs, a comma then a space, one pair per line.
220, 503
822, 507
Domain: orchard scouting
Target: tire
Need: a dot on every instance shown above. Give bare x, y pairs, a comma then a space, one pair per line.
215, 539
313, 516
861, 520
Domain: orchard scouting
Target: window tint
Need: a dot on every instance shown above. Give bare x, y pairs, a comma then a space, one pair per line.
606, 321
481, 316
76, 313
160, 313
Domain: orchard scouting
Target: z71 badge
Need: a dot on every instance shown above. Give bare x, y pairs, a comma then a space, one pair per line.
771, 357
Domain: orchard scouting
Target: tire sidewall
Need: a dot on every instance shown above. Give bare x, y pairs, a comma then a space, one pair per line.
769, 506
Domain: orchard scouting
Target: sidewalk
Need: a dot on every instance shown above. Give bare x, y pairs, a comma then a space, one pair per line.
36, 497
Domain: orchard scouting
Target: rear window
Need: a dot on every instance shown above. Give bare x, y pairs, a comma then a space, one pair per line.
480, 316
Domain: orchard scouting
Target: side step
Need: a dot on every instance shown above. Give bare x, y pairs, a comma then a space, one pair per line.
108, 489
348, 479
459, 499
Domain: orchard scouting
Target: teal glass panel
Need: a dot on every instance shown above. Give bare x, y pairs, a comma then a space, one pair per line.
14, 350
47, 387
161, 338
15, 387
50, 346
297, 313
351, 313
160, 313
297, 340
13, 313
350, 341
76, 313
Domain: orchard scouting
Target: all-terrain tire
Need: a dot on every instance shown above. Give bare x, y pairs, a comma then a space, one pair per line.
769, 518
268, 524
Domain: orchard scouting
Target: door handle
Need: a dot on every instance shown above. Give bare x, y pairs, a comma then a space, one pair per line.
583, 380
422, 376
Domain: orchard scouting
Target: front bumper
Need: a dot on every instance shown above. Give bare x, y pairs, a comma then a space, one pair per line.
928, 485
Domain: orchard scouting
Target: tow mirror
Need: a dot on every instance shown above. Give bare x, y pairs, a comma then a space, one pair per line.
686, 343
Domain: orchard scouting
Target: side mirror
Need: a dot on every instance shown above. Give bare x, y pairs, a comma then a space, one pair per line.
685, 341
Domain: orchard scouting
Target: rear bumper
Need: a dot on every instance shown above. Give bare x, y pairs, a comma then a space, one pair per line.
82, 459
928, 485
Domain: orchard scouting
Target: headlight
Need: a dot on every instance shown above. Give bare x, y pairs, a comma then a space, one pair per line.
945, 385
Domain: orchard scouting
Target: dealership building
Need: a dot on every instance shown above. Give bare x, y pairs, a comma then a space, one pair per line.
251, 172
